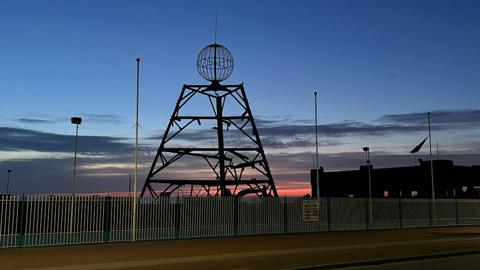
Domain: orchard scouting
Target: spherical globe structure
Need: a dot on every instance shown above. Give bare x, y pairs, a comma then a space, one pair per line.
215, 63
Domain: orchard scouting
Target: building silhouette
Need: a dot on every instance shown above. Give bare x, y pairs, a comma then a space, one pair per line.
408, 182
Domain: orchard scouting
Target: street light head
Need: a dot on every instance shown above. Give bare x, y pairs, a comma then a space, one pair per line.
9, 171
76, 120
366, 149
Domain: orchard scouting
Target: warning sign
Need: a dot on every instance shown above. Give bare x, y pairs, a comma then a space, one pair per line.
311, 210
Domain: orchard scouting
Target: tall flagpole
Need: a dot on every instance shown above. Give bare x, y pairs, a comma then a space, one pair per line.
134, 211
316, 149
431, 170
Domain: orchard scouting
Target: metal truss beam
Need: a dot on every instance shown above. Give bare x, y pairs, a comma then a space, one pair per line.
228, 164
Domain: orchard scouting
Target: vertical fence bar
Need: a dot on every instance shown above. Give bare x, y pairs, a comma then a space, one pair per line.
177, 218
367, 213
329, 215
66, 213
48, 220
6, 218
3, 234
8, 234
27, 220
53, 232
35, 219
107, 219
12, 229
41, 221
285, 215
430, 211
456, 210
235, 215
17, 211
400, 214
21, 222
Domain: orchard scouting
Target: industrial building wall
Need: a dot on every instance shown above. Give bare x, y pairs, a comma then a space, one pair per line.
407, 182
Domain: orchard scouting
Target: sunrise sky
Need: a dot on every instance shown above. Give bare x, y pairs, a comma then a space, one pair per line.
378, 66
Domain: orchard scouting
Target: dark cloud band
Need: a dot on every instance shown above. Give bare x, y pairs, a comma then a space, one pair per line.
12, 139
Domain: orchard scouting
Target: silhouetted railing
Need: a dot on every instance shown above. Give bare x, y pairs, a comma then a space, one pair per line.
63, 220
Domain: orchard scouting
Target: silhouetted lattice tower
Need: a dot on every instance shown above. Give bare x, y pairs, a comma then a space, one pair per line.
233, 156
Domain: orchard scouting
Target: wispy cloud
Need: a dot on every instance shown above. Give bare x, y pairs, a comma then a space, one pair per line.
442, 117
17, 139
34, 121
102, 118
92, 118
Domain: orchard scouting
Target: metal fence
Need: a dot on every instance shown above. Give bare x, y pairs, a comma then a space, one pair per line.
27, 221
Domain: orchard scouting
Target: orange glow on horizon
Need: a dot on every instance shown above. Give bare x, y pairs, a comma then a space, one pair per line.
294, 192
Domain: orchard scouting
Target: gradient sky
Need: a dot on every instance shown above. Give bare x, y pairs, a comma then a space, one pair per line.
378, 66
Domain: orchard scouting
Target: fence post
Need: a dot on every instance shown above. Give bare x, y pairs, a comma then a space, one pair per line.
456, 211
430, 206
400, 214
235, 215
367, 212
21, 222
177, 218
107, 217
329, 218
285, 215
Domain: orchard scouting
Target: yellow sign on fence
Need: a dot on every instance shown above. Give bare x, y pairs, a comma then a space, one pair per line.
311, 210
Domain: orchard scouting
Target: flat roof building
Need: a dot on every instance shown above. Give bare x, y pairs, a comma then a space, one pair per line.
413, 181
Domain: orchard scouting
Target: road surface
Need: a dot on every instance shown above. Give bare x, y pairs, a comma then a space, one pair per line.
427, 248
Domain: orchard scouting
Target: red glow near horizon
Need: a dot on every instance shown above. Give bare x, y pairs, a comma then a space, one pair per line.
282, 192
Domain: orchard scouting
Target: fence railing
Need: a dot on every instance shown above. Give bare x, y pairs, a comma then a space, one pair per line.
63, 220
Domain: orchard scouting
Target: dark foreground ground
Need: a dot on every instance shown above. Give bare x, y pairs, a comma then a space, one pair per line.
429, 248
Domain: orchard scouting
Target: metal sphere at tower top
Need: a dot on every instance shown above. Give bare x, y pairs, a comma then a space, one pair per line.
215, 63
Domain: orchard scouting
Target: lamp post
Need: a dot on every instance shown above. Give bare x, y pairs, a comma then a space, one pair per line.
316, 149
8, 179
434, 212
367, 160
76, 121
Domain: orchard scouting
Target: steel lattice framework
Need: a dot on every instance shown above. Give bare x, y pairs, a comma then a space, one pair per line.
228, 164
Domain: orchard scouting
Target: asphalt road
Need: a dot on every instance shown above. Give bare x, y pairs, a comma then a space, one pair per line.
469, 262
409, 249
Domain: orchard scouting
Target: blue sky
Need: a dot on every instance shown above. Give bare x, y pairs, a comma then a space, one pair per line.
374, 63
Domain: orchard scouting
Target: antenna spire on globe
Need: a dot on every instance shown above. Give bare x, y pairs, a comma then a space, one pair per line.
215, 62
